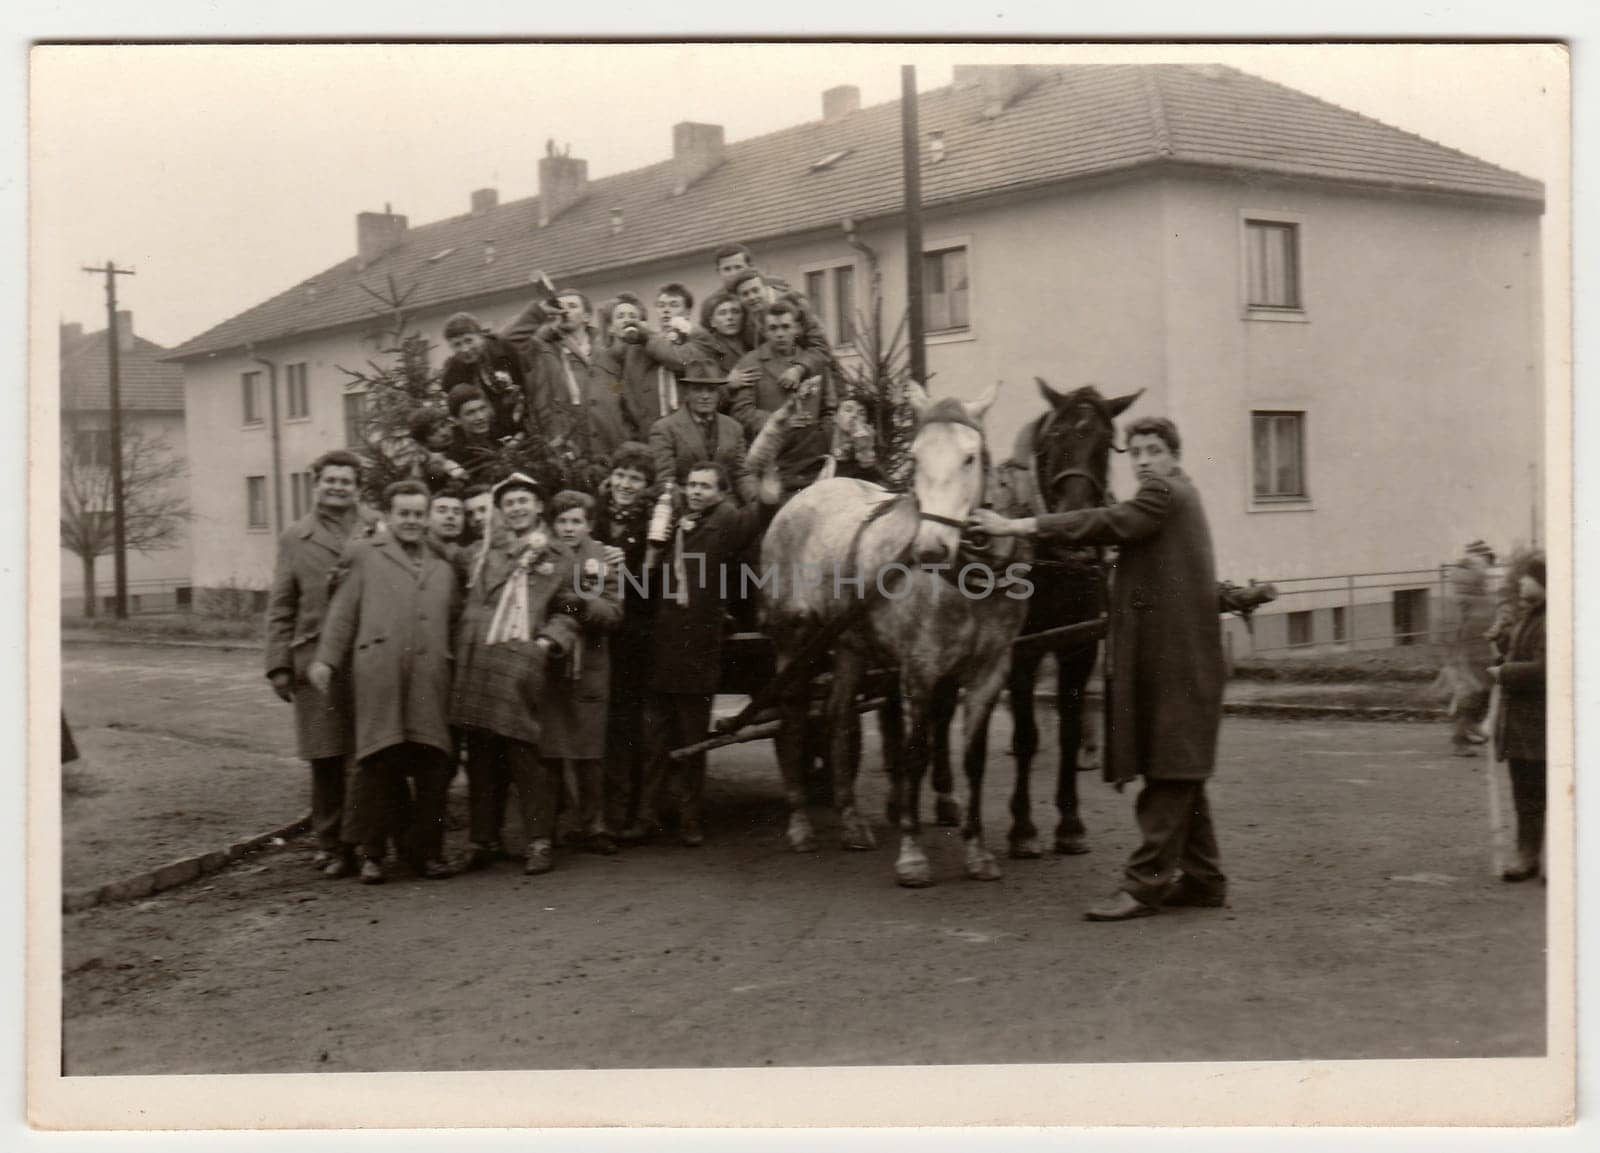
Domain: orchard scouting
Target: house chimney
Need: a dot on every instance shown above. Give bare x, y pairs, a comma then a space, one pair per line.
1003, 84
563, 182
71, 334
124, 330
376, 234
484, 199
840, 101
696, 150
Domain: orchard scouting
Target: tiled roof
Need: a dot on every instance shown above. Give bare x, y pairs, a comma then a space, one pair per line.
147, 380
1079, 121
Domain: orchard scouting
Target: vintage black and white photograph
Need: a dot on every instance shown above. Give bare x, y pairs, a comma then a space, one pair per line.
746, 556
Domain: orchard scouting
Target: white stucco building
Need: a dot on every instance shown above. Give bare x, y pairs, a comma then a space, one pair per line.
1343, 318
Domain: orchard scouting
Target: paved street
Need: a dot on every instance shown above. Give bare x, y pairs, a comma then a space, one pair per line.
1363, 919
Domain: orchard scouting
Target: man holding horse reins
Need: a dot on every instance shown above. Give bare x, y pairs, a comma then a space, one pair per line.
1165, 670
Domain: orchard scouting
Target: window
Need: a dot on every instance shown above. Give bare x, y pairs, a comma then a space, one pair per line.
1410, 616
1339, 623
300, 493
299, 395
1272, 265
255, 491
1300, 628
831, 292
250, 383
91, 448
1278, 440
944, 290
355, 419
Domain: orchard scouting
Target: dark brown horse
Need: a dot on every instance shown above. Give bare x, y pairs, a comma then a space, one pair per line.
1060, 465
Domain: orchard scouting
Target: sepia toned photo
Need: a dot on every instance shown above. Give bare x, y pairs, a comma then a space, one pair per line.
731, 583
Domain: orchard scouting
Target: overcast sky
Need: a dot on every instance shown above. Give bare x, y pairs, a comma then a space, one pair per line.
225, 174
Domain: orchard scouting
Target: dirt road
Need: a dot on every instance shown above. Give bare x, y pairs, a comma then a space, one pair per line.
1363, 923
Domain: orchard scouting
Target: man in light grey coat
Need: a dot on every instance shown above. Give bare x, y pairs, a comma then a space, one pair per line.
390, 627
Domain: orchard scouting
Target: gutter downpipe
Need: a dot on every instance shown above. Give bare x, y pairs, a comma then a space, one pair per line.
277, 438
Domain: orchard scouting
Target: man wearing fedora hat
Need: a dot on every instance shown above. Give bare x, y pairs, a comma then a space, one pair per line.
697, 432
522, 609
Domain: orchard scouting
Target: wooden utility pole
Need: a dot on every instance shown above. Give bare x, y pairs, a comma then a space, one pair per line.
911, 155
119, 524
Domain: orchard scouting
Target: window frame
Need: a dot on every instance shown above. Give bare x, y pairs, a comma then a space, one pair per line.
1278, 406
251, 524
1267, 312
252, 414
828, 270
302, 380
932, 247
358, 442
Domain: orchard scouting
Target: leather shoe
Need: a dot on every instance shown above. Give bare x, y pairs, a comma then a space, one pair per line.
639, 832
371, 872
1524, 870
1123, 906
541, 858
437, 870
478, 857
322, 858
1188, 895
603, 843
691, 836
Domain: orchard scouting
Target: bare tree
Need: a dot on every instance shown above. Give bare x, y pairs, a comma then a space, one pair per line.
155, 510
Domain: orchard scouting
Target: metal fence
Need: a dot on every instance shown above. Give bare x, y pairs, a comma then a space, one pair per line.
1356, 610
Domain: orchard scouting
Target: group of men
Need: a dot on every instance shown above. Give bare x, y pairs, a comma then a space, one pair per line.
475, 618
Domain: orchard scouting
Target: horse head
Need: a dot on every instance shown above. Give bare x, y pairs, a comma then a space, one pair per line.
951, 464
1073, 442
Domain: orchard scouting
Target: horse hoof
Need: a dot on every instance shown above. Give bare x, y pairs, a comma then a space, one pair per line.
800, 836
913, 876
984, 868
912, 869
857, 834
946, 812
1071, 844
1026, 849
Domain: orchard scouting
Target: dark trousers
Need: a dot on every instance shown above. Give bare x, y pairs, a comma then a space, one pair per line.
494, 764
1527, 796
1177, 838
625, 743
327, 801
418, 771
671, 721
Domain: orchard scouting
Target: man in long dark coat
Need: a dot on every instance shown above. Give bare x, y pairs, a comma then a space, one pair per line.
686, 657
1165, 670
308, 550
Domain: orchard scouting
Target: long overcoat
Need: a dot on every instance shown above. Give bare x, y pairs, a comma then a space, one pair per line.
503, 688
308, 550
677, 443
1164, 699
575, 725
1519, 733
636, 373
388, 628
686, 652
804, 448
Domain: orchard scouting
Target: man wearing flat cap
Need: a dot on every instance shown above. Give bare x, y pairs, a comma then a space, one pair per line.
697, 432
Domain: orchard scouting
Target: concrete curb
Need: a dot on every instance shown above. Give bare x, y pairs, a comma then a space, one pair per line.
1294, 711
175, 873
237, 645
